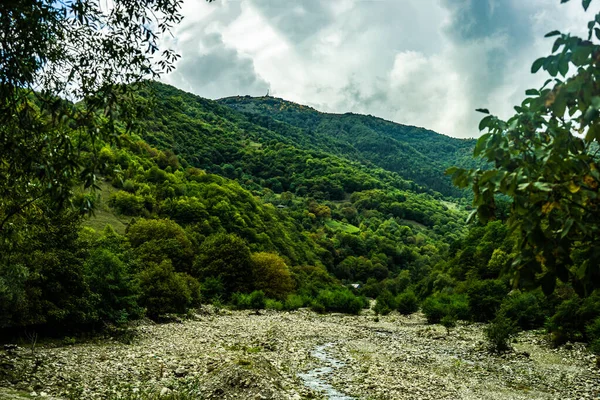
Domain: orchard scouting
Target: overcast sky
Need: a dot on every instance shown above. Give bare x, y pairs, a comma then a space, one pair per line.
427, 63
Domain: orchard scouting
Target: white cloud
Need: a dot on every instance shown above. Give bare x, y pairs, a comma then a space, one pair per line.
421, 62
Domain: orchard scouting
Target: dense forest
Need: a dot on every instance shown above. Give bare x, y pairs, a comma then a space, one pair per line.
203, 203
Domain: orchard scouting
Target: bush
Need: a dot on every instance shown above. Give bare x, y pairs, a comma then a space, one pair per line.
593, 334
499, 332
294, 302
440, 305
385, 303
116, 294
571, 317
253, 301
194, 287
565, 324
407, 303
342, 300
485, 298
525, 309
163, 290
126, 203
212, 289
274, 305
448, 322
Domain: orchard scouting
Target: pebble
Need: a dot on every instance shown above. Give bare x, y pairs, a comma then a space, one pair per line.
233, 355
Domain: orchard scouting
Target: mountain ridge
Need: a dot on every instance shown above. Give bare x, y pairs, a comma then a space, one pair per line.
417, 154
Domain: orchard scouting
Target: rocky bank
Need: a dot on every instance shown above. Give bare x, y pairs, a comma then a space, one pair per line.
295, 355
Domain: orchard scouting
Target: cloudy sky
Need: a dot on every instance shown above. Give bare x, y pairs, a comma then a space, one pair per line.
427, 63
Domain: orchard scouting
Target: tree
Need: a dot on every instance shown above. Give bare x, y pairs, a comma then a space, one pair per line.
226, 257
271, 275
66, 75
545, 159
156, 240
164, 291
55, 53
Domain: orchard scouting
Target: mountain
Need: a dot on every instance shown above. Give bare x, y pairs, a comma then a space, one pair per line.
205, 201
417, 154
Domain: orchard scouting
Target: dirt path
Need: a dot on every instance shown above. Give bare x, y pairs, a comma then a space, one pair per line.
268, 356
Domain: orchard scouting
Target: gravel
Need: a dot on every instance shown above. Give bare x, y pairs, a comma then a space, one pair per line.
295, 355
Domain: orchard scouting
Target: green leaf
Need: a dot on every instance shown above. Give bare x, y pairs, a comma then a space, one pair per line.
563, 66
486, 122
471, 216
557, 43
543, 186
553, 33
483, 110
481, 143
581, 55
537, 64
532, 92
580, 273
567, 227
586, 4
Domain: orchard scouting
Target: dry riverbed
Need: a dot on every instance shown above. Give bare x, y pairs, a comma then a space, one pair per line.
297, 355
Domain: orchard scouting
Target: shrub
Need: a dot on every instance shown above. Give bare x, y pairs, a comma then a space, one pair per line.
385, 303
212, 289
593, 334
440, 305
485, 298
126, 203
372, 288
407, 303
274, 305
116, 293
571, 317
448, 322
499, 332
254, 301
341, 300
565, 324
525, 309
194, 287
163, 290
294, 302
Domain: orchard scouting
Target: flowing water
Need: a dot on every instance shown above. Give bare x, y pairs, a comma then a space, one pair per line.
316, 378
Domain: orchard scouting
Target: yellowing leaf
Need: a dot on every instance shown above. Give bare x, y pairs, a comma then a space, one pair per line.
548, 207
590, 181
573, 188
550, 99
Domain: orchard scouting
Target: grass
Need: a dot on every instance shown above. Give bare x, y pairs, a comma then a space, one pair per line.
450, 205
341, 226
103, 215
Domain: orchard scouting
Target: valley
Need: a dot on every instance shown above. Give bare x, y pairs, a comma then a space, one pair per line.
219, 354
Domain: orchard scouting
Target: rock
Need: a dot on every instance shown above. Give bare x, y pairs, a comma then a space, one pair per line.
180, 372
165, 391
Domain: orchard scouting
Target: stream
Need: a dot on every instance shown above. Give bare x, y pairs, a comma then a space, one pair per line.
316, 378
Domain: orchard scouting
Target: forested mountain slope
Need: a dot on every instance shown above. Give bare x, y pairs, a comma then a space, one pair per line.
206, 203
417, 154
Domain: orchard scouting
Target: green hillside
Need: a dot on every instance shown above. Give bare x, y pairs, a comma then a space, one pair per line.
414, 153
206, 204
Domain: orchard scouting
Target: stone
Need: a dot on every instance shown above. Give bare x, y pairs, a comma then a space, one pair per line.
165, 391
